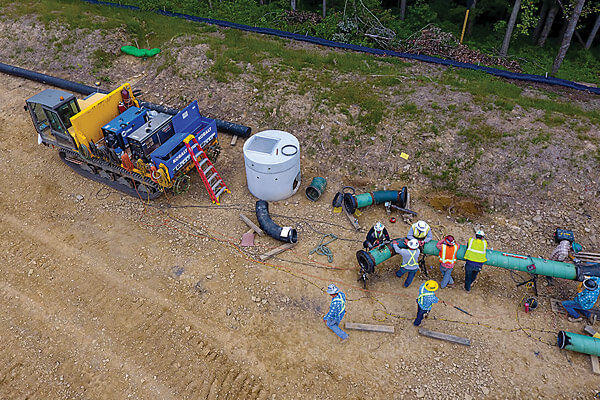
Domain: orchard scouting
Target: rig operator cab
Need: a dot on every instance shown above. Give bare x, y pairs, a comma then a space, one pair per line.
51, 112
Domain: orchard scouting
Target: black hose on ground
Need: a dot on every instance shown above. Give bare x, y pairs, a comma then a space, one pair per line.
285, 234
222, 126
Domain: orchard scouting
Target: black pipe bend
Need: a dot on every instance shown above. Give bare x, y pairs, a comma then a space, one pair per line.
285, 234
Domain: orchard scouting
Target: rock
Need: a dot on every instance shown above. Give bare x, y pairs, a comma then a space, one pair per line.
485, 390
30, 272
420, 393
228, 312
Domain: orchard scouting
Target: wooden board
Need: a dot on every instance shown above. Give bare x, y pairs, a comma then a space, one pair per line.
591, 331
352, 220
445, 336
251, 224
276, 251
370, 327
595, 364
234, 140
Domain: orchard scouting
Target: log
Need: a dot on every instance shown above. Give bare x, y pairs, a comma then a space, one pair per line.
370, 327
251, 224
276, 251
444, 336
234, 140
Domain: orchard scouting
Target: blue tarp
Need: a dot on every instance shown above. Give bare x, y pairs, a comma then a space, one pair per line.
324, 42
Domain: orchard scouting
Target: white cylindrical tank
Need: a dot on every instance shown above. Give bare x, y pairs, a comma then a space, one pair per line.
272, 160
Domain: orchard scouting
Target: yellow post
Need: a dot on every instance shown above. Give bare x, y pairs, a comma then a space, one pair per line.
462, 35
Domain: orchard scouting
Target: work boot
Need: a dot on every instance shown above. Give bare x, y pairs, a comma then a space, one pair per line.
571, 319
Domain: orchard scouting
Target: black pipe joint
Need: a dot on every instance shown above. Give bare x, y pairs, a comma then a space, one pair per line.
284, 234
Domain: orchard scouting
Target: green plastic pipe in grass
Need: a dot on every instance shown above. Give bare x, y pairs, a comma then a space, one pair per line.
143, 53
369, 259
579, 343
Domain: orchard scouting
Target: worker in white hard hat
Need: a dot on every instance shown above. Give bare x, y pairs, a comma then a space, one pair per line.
376, 236
426, 300
475, 257
337, 310
586, 298
421, 231
410, 257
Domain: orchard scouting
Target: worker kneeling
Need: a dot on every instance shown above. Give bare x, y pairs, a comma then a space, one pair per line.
584, 300
425, 300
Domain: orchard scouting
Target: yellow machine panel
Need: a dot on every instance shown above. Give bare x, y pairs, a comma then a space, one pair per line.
88, 122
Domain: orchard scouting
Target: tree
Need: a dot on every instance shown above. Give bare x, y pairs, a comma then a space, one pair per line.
548, 25
540, 24
566, 41
324, 7
510, 27
590, 39
293, 4
402, 9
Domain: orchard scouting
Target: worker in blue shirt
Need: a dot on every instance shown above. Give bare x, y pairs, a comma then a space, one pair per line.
425, 300
584, 300
337, 310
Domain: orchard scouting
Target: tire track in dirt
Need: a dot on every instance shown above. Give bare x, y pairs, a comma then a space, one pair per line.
138, 330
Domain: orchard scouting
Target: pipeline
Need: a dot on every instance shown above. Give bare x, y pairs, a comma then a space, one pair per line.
539, 266
579, 343
285, 234
222, 126
352, 202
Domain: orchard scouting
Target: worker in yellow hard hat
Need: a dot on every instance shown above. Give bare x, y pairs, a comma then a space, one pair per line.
426, 300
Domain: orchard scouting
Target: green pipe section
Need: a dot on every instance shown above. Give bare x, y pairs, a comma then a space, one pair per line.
363, 200
353, 202
556, 269
579, 343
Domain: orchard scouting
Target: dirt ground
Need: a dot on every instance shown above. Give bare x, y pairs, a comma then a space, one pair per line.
108, 297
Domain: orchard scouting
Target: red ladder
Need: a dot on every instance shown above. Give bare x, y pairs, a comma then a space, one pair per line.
214, 183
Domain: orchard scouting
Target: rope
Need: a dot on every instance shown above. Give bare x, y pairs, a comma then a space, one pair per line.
322, 248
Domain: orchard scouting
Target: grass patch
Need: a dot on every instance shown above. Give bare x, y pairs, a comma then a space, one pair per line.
101, 60
481, 133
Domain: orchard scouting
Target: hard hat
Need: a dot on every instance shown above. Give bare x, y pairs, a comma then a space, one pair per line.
378, 226
449, 240
431, 285
422, 226
590, 284
413, 244
332, 289
479, 233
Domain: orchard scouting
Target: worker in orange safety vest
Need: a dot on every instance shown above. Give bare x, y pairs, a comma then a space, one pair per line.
448, 249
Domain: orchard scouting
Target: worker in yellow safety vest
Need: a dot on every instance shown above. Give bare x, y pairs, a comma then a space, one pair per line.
448, 249
475, 257
410, 257
425, 300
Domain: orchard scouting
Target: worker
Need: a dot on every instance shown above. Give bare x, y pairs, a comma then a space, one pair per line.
425, 300
475, 257
421, 231
410, 258
337, 310
564, 248
584, 300
377, 235
448, 249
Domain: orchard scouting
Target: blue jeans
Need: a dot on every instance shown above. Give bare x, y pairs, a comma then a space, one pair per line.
334, 325
409, 278
446, 276
420, 314
572, 307
471, 271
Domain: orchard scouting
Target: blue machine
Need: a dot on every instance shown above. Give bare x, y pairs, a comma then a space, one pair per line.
173, 153
116, 131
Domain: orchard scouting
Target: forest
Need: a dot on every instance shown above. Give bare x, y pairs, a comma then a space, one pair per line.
554, 37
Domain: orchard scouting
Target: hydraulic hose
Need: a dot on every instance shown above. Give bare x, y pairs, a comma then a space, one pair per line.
369, 259
353, 202
284, 234
222, 126
579, 343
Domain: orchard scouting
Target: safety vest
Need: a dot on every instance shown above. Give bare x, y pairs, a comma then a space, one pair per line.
422, 296
340, 299
411, 261
476, 250
418, 234
448, 254
378, 235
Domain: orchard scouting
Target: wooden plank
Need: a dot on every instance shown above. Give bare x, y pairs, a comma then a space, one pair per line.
252, 225
445, 336
370, 327
276, 251
234, 140
352, 220
586, 253
595, 364
591, 331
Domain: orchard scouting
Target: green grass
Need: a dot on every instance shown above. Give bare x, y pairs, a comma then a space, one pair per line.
101, 60
480, 133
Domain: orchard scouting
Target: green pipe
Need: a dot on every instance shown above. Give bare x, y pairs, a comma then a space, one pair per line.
353, 202
368, 261
579, 343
